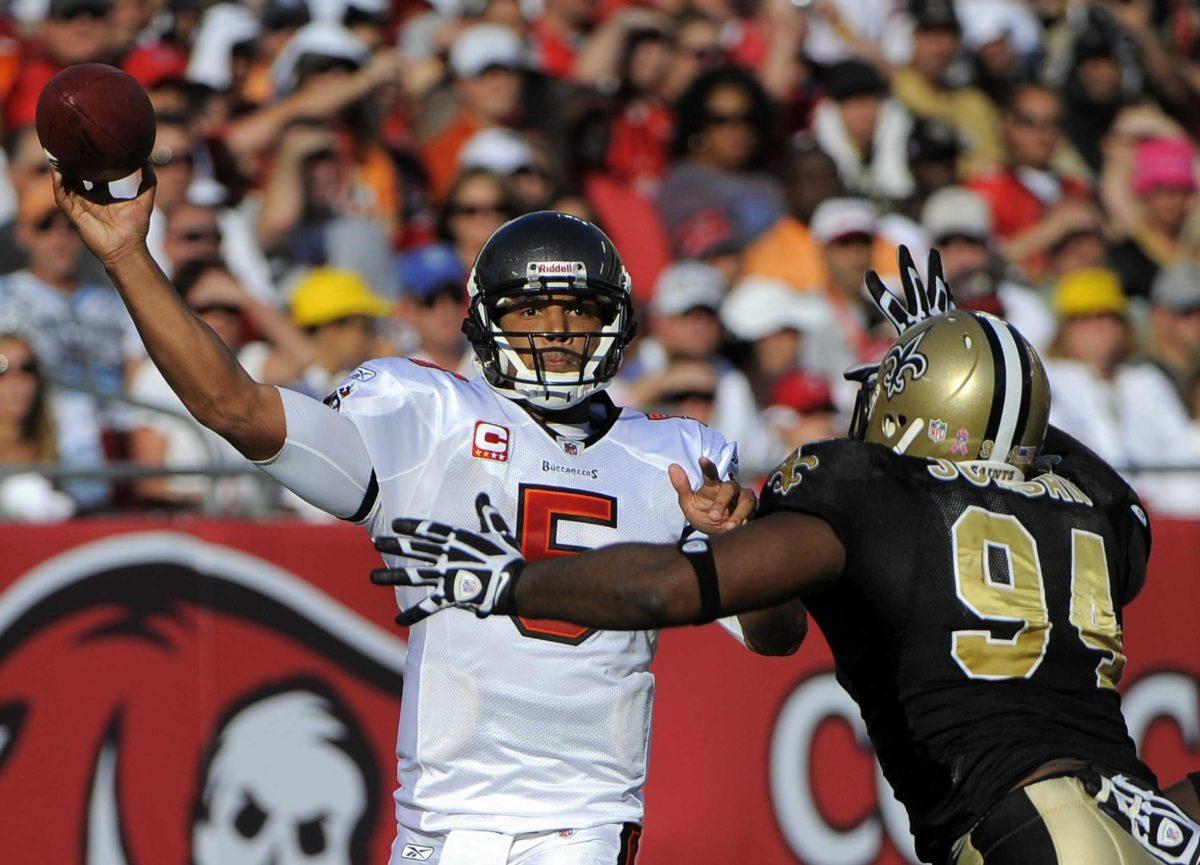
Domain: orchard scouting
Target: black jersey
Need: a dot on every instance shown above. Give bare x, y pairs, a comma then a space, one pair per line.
977, 623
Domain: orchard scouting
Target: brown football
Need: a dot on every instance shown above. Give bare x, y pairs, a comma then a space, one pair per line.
95, 122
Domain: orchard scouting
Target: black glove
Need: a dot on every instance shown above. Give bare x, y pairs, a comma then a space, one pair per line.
469, 570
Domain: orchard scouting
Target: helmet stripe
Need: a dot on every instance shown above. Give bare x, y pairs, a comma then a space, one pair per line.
1023, 350
999, 380
1011, 387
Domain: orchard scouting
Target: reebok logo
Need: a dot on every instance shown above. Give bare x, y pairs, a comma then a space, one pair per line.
416, 853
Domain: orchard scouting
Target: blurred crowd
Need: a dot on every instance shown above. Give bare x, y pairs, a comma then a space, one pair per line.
328, 169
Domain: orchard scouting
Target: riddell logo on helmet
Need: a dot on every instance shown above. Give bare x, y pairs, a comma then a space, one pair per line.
557, 268
490, 442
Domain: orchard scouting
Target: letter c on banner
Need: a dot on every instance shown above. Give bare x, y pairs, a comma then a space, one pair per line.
812, 703
1163, 695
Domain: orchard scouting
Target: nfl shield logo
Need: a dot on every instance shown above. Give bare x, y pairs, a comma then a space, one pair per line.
571, 448
937, 431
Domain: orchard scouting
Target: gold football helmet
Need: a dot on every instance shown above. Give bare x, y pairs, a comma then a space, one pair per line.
957, 385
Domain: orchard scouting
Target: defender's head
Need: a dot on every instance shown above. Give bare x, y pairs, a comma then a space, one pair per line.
550, 309
963, 386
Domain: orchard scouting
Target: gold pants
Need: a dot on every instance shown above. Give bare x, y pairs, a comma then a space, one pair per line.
1052, 822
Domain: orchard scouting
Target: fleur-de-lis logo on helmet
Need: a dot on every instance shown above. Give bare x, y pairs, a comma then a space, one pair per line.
903, 363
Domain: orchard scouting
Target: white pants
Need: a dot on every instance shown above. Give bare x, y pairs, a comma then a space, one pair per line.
611, 844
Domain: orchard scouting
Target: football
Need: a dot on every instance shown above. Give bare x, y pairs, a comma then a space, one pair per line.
95, 122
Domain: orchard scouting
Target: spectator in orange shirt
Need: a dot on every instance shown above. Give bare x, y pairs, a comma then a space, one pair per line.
486, 62
1033, 206
788, 252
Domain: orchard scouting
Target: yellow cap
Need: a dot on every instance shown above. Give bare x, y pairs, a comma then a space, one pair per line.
328, 294
1089, 291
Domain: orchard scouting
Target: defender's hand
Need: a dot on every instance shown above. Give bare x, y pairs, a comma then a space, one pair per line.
110, 227
718, 505
922, 298
469, 570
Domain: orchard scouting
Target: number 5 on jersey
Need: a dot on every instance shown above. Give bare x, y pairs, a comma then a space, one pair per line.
540, 514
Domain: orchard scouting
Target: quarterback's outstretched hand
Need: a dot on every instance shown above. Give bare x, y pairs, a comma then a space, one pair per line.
469, 570
717, 505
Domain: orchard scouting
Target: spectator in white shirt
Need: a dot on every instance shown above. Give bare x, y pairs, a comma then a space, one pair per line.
1127, 412
1175, 325
80, 330
27, 436
683, 327
959, 223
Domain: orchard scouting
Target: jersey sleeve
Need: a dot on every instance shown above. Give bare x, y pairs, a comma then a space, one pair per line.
323, 459
1067, 456
380, 421
723, 454
824, 479
397, 406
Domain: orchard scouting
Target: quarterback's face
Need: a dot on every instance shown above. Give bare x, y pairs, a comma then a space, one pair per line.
553, 323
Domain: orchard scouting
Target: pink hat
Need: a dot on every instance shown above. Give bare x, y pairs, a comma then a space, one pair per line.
1164, 162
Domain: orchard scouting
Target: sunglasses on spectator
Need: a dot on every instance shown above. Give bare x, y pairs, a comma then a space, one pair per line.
448, 291
94, 12
718, 118
167, 156
706, 54
49, 222
477, 209
363, 322
228, 309
1033, 122
648, 34
30, 366
314, 64
200, 235
689, 396
355, 16
972, 239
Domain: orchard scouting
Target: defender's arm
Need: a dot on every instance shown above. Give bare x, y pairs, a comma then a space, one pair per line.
643, 586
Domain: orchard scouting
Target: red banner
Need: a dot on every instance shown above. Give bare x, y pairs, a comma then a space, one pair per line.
169, 691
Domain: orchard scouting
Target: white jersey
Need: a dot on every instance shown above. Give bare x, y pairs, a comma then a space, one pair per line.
514, 725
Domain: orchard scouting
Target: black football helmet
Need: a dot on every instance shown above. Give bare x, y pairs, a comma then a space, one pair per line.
542, 254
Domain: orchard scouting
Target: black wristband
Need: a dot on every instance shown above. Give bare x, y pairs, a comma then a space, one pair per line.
699, 555
1194, 779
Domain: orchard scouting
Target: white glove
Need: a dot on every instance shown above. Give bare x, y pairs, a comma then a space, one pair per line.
475, 571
